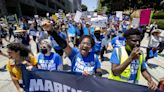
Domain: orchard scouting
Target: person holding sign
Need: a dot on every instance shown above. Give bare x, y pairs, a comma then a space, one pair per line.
83, 61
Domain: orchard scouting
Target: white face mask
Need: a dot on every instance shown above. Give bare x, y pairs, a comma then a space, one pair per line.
120, 35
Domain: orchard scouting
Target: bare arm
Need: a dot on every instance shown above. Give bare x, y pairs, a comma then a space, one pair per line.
38, 66
161, 36
151, 84
60, 67
99, 72
15, 81
117, 69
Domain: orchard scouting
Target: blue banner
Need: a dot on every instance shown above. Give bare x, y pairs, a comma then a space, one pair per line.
53, 81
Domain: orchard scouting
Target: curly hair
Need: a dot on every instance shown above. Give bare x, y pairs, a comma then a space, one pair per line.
90, 38
131, 32
24, 51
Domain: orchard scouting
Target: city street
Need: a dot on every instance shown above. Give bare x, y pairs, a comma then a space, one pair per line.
94, 24
156, 68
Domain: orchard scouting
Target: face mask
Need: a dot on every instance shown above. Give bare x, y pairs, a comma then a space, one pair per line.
120, 35
108, 36
44, 50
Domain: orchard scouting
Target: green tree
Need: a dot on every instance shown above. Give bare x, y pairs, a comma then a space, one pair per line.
84, 7
120, 5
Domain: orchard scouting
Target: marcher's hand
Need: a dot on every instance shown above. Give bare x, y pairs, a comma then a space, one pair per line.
152, 85
24, 62
86, 73
20, 90
29, 68
135, 53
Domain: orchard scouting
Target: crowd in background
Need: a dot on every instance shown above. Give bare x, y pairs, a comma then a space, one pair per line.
82, 43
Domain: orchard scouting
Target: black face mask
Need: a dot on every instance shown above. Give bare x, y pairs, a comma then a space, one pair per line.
44, 50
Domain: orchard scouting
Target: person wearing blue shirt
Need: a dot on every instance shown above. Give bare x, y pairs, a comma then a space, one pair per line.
79, 33
133, 66
82, 64
97, 38
48, 60
83, 61
71, 32
88, 30
124, 26
129, 57
118, 41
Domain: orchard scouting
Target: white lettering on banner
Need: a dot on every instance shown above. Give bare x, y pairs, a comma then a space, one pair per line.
47, 85
57, 87
36, 85
66, 88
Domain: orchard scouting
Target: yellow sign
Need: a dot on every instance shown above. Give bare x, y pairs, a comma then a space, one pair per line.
54, 17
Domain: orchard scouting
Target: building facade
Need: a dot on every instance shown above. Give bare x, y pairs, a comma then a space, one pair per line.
39, 7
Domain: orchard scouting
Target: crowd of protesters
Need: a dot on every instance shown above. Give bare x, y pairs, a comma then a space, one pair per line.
54, 41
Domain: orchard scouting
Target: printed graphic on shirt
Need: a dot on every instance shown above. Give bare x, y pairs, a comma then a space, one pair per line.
47, 64
81, 66
134, 66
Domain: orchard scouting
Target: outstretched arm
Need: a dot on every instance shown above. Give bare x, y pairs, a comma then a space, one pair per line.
62, 43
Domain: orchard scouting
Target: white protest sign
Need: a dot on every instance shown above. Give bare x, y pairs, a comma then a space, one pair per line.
77, 16
89, 16
135, 22
30, 22
99, 21
36, 16
47, 14
119, 15
95, 14
57, 14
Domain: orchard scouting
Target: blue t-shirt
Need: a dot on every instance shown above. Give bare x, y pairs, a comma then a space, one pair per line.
117, 42
133, 66
97, 46
71, 30
124, 27
81, 64
77, 31
86, 32
50, 62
